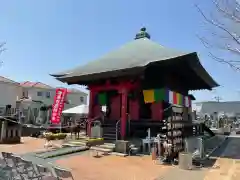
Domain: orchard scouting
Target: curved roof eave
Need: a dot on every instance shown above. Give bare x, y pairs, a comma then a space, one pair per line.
135, 54
57, 75
61, 74
202, 73
195, 64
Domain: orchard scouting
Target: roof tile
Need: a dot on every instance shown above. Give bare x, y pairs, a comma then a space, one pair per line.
36, 84
4, 79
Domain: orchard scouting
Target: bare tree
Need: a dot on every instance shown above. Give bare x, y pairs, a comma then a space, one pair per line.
223, 32
2, 49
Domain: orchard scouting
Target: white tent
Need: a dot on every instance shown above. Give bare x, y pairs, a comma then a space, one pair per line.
81, 109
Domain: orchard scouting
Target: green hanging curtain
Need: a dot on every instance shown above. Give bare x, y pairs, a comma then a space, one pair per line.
159, 95
102, 98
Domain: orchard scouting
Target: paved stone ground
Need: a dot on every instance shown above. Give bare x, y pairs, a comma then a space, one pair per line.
228, 163
223, 165
86, 167
28, 145
113, 167
83, 165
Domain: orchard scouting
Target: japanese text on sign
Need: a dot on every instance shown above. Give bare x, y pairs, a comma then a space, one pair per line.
58, 105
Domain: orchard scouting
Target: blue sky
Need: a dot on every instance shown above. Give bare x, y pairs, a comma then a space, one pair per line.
46, 36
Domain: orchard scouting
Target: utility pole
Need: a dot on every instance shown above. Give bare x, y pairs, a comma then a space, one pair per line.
217, 98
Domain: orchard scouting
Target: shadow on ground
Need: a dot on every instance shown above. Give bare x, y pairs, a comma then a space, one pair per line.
229, 149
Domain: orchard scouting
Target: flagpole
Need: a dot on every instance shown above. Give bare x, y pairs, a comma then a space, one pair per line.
60, 125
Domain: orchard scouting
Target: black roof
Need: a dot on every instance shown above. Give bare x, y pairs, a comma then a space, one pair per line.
131, 58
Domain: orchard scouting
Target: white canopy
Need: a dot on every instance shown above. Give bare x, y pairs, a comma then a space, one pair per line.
81, 109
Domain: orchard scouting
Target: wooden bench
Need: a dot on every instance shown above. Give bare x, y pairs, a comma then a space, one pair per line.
98, 150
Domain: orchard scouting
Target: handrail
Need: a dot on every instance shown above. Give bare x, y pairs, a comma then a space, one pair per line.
91, 120
117, 129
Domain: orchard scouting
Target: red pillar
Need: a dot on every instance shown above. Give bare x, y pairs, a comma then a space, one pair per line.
157, 111
161, 111
90, 110
124, 95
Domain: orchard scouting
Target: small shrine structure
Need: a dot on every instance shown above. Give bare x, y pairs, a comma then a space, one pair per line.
136, 84
10, 130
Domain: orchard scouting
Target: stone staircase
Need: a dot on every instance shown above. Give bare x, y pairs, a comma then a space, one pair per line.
109, 147
109, 130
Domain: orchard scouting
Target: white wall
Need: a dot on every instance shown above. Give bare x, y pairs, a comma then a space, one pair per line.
9, 93
74, 97
33, 94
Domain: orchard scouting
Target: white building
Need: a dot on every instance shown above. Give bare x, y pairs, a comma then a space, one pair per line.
30, 97
37, 95
9, 92
44, 93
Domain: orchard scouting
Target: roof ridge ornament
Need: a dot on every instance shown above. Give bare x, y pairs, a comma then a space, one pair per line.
142, 34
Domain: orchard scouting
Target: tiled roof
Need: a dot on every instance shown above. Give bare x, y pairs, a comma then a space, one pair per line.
36, 84
136, 54
4, 79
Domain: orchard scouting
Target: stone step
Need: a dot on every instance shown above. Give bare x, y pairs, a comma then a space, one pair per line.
110, 129
96, 148
109, 132
110, 144
119, 154
70, 145
107, 146
77, 142
109, 137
